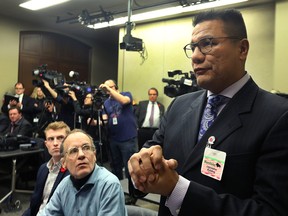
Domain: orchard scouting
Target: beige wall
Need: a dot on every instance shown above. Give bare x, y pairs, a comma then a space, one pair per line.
9, 43
164, 42
281, 48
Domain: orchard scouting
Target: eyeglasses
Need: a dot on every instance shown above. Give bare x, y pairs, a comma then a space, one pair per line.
205, 45
19, 88
152, 94
58, 138
74, 151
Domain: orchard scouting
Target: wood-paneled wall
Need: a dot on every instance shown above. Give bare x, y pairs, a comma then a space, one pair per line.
61, 53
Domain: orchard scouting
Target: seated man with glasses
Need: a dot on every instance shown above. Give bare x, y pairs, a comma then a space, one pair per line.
88, 113
90, 189
51, 173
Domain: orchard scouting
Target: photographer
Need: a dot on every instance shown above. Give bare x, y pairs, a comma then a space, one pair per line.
88, 112
45, 112
66, 112
122, 127
47, 116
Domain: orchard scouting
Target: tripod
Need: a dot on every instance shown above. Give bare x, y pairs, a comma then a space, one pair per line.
96, 113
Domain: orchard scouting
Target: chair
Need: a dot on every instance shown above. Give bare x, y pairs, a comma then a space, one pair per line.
140, 211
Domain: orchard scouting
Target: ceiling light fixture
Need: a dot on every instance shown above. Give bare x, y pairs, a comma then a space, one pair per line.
40, 4
166, 12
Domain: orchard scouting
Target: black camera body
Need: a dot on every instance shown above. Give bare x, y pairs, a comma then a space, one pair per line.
53, 77
175, 87
131, 43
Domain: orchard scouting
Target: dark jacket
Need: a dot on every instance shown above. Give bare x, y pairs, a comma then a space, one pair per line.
22, 127
28, 110
141, 111
253, 131
36, 198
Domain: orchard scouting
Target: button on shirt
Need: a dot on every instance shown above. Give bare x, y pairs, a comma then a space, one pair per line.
156, 118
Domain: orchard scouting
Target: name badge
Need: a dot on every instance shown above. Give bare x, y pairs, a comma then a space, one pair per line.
213, 163
114, 120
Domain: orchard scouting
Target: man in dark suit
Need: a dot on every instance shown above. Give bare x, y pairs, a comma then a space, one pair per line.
4, 123
17, 125
148, 114
25, 103
51, 173
239, 166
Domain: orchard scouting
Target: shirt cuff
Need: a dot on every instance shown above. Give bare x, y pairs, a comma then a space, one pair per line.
175, 200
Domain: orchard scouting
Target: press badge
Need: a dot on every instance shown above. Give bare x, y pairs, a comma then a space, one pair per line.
213, 162
36, 120
114, 120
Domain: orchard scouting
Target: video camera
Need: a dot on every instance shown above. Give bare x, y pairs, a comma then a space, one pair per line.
175, 87
81, 89
53, 77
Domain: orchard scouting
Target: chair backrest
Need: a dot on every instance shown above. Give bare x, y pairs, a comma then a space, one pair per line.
140, 211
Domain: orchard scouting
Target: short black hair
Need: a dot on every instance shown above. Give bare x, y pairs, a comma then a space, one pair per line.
233, 20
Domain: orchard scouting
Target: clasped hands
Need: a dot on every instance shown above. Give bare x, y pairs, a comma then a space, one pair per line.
151, 173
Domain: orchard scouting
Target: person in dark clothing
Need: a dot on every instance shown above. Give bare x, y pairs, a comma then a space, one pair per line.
88, 113
217, 159
4, 123
45, 112
18, 125
25, 103
148, 114
66, 112
51, 173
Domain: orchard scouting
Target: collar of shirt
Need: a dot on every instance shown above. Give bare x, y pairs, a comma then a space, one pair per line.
53, 167
234, 88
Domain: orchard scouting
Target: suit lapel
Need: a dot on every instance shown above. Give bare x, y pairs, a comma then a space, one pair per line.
191, 127
225, 124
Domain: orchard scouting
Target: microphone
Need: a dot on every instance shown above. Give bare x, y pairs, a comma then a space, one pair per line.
73, 74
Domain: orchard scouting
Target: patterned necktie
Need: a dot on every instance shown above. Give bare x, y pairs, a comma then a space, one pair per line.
210, 112
151, 118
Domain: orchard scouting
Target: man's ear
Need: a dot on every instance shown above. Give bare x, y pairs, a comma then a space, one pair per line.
244, 48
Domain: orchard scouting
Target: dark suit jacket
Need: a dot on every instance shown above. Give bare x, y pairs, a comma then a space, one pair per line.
4, 123
22, 127
28, 110
141, 111
253, 130
36, 198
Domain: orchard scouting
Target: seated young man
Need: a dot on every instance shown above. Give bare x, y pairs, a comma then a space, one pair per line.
50, 174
